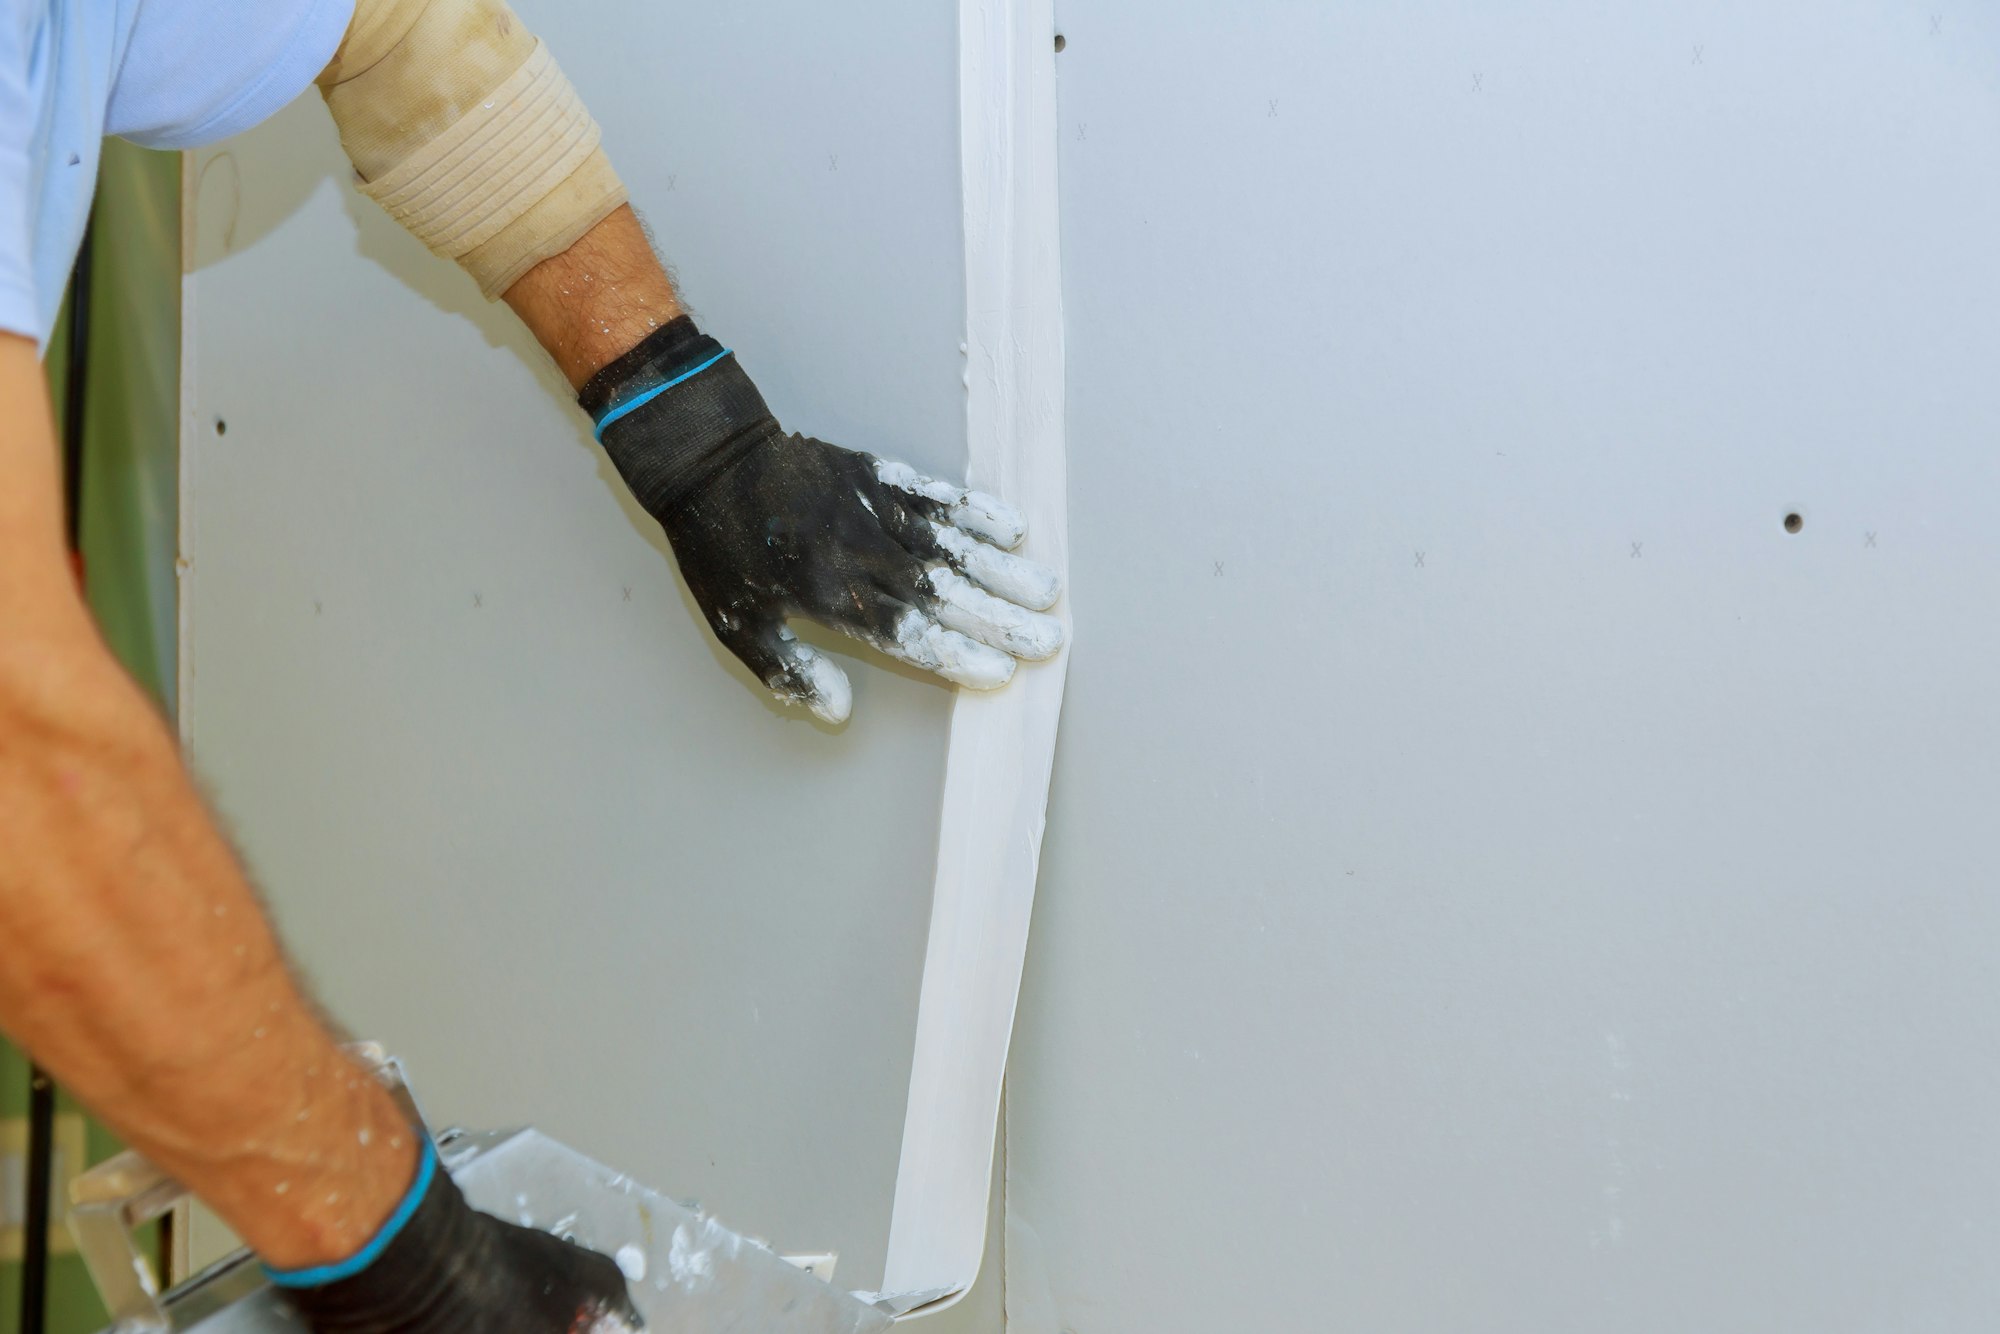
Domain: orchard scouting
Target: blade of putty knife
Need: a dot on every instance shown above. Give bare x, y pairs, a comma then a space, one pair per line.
688, 1274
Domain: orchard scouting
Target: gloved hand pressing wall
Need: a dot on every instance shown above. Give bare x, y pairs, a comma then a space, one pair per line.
438, 1266
768, 525
461, 125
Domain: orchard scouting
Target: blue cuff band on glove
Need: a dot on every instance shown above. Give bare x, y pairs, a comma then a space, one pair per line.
321, 1275
640, 400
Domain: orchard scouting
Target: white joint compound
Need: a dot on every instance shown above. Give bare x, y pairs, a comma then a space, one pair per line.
998, 572
996, 781
922, 642
974, 511
832, 693
994, 621
688, 1264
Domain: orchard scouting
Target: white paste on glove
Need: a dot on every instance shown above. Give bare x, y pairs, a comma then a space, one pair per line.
974, 511
832, 698
922, 642
994, 621
1012, 578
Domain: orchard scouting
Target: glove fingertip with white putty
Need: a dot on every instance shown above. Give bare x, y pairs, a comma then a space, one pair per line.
767, 526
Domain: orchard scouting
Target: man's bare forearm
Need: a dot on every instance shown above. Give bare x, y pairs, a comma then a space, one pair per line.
137, 964
598, 299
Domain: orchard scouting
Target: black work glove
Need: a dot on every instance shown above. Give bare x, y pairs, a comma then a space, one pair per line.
768, 526
449, 1269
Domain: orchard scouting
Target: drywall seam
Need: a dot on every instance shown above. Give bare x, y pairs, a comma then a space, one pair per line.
1002, 744
180, 1262
183, 491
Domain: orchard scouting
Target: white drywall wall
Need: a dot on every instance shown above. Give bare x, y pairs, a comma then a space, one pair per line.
516, 814
1497, 878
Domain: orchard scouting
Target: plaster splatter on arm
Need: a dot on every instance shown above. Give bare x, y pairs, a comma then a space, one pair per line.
137, 965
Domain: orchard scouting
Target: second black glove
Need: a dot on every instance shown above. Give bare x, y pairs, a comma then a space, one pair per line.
441, 1267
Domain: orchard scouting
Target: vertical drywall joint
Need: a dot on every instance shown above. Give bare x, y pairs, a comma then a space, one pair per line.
1003, 744
183, 488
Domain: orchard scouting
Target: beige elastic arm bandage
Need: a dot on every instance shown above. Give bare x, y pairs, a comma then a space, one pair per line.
462, 127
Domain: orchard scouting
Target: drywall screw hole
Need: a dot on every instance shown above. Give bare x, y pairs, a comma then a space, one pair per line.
1793, 523
221, 426
1061, 42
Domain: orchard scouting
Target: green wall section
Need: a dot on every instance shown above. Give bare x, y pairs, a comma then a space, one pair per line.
130, 495
128, 524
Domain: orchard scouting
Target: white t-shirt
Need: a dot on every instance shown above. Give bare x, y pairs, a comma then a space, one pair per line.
163, 73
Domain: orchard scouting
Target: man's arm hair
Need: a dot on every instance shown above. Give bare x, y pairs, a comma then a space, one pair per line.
598, 299
138, 966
